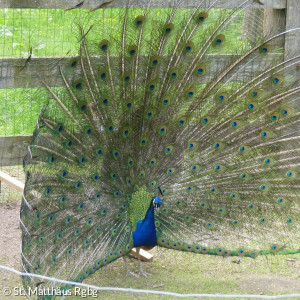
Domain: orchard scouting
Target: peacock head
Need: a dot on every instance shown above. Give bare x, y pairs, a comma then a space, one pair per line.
156, 202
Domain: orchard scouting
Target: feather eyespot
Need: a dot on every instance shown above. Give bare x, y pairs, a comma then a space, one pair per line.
266, 48
51, 159
169, 149
97, 196
103, 74
78, 185
99, 152
219, 40
143, 142
182, 121
139, 20
168, 28
78, 85
171, 171
104, 45
191, 93
64, 174
152, 86
204, 250
200, 70
254, 93
165, 100
189, 47
130, 162
194, 168
152, 162
285, 112
95, 177
202, 16
162, 130
266, 134
73, 63
155, 60
127, 78
132, 50
174, 73
116, 154
241, 252
47, 192
142, 174
126, 132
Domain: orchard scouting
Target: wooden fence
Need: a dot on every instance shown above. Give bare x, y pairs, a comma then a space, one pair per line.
13, 148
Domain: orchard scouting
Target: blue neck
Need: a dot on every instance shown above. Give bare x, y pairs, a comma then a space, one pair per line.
150, 214
145, 233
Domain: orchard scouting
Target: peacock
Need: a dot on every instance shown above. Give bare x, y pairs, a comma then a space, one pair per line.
151, 141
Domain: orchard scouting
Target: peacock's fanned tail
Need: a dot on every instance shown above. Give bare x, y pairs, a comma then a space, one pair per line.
146, 104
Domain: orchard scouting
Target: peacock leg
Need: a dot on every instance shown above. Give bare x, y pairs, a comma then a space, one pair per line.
141, 271
128, 272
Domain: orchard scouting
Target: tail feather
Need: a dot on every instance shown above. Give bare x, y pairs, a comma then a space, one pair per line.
145, 105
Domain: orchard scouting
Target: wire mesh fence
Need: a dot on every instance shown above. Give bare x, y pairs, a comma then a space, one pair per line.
26, 34
34, 41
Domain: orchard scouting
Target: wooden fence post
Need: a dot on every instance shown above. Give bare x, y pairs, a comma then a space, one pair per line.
292, 40
274, 23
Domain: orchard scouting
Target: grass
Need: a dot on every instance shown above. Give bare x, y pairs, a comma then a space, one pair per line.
187, 273
183, 272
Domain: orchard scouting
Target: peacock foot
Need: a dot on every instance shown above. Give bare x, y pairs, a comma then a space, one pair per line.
128, 273
143, 273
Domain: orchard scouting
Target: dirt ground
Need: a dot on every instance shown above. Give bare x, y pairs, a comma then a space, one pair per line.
10, 235
10, 246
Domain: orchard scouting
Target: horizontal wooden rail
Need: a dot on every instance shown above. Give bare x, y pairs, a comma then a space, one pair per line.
13, 148
278, 4
13, 74
12, 182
